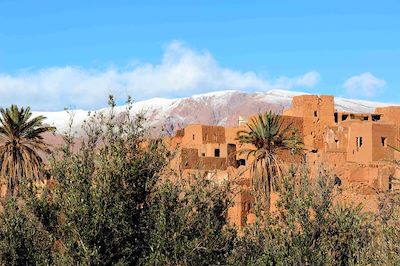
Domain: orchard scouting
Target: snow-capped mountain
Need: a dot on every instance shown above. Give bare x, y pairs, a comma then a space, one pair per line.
215, 108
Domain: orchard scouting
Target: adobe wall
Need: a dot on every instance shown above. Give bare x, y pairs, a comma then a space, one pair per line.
193, 137
336, 139
389, 114
317, 113
213, 134
313, 106
360, 143
383, 138
191, 160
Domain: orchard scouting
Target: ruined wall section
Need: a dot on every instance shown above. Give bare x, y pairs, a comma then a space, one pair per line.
317, 113
336, 139
390, 114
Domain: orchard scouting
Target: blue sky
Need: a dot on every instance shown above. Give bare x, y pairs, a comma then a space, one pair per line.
74, 53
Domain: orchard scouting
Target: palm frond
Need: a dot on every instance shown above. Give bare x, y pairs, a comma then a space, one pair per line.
20, 141
268, 135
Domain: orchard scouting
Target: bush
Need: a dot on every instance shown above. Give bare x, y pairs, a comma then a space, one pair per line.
101, 190
308, 229
188, 224
23, 240
113, 202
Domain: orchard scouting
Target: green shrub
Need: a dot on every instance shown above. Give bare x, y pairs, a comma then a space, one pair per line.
307, 229
23, 240
188, 224
101, 190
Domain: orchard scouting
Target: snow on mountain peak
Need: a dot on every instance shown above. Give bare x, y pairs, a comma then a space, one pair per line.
219, 108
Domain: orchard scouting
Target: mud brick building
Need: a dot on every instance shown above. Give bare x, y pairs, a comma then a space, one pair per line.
356, 147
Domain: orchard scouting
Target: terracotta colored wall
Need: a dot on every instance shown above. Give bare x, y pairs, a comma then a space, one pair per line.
361, 154
336, 139
389, 114
317, 113
191, 160
213, 134
379, 151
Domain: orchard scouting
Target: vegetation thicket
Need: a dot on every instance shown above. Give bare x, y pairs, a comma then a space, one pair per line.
111, 202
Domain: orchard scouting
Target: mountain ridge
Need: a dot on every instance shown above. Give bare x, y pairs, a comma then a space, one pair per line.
214, 108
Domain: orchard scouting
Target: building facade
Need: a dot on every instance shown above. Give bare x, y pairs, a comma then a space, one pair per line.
356, 147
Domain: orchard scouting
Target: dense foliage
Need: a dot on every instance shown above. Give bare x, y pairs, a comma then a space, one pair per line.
109, 200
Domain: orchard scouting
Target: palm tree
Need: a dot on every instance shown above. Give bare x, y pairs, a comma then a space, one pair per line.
21, 141
267, 137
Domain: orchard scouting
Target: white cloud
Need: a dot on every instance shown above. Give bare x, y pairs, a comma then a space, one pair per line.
309, 79
364, 85
182, 71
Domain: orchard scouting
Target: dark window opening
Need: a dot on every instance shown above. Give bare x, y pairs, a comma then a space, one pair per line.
365, 118
193, 136
376, 117
336, 117
344, 117
337, 143
384, 141
315, 113
338, 181
390, 183
203, 154
241, 162
359, 142
216, 153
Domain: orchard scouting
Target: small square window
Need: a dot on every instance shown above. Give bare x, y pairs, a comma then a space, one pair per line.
216, 153
240, 162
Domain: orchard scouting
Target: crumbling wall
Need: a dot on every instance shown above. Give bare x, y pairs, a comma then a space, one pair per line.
317, 113
389, 114
336, 139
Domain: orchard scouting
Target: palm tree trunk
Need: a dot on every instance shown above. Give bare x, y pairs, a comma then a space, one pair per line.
267, 207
